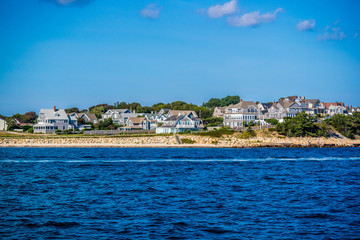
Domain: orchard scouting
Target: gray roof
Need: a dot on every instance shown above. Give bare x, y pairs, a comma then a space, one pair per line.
91, 116
51, 114
287, 104
243, 105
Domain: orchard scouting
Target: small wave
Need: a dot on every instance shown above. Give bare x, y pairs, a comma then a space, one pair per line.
97, 160
61, 224
316, 215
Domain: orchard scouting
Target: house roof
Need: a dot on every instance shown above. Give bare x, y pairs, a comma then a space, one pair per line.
287, 104
313, 101
243, 105
291, 98
183, 112
266, 105
137, 120
328, 104
51, 114
91, 116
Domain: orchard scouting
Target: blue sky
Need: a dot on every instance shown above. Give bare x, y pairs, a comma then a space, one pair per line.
85, 52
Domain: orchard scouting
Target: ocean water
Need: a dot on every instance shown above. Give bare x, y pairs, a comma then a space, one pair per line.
146, 193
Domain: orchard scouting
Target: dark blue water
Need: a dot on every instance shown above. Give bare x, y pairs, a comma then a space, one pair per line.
111, 193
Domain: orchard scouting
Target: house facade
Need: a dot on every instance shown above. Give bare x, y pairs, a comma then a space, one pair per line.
3, 125
283, 109
50, 120
120, 116
180, 123
219, 112
236, 115
136, 123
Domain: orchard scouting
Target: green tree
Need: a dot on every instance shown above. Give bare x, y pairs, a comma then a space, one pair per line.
300, 126
72, 110
98, 111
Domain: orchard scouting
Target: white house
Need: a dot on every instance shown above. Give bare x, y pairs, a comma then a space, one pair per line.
120, 116
244, 111
283, 109
3, 125
50, 120
180, 123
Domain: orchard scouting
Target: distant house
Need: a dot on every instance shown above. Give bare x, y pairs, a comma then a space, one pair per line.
283, 109
73, 119
90, 118
138, 123
180, 123
332, 110
264, 107
313, 106
3, 125
188, 113
50, 120
219, 112
244, 111
120, 116
353, 110
87, 117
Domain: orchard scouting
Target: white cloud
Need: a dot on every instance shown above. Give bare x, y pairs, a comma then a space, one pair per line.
151, 11
332, 34
219, 10
253, 19
306, 25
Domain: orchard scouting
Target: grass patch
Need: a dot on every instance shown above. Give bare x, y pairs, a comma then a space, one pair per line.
187, 141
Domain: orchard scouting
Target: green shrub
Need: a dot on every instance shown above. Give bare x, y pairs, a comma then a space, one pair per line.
347, 125
217, 133
300, 126
187, 141
272, 121
247, 134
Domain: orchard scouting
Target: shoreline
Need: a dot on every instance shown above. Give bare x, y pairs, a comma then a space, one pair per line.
173, 142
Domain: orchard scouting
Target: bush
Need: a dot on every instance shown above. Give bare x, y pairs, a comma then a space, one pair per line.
31, 130
213, 121
272, 121
347, 125
187, 141
300, 126
249, 133
217, 133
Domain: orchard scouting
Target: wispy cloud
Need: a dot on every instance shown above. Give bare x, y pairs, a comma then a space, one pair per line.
306, 25
332, 33
69, 2
219, 10
253, 19
151, 11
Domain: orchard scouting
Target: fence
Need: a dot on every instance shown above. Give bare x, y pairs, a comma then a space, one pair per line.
114, 132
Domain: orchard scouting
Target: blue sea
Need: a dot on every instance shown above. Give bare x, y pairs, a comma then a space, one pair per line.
170, 193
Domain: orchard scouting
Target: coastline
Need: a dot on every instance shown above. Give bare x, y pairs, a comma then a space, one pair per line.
172, 142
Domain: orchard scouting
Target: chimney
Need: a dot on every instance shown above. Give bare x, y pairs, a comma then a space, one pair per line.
240, 100
54, 108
